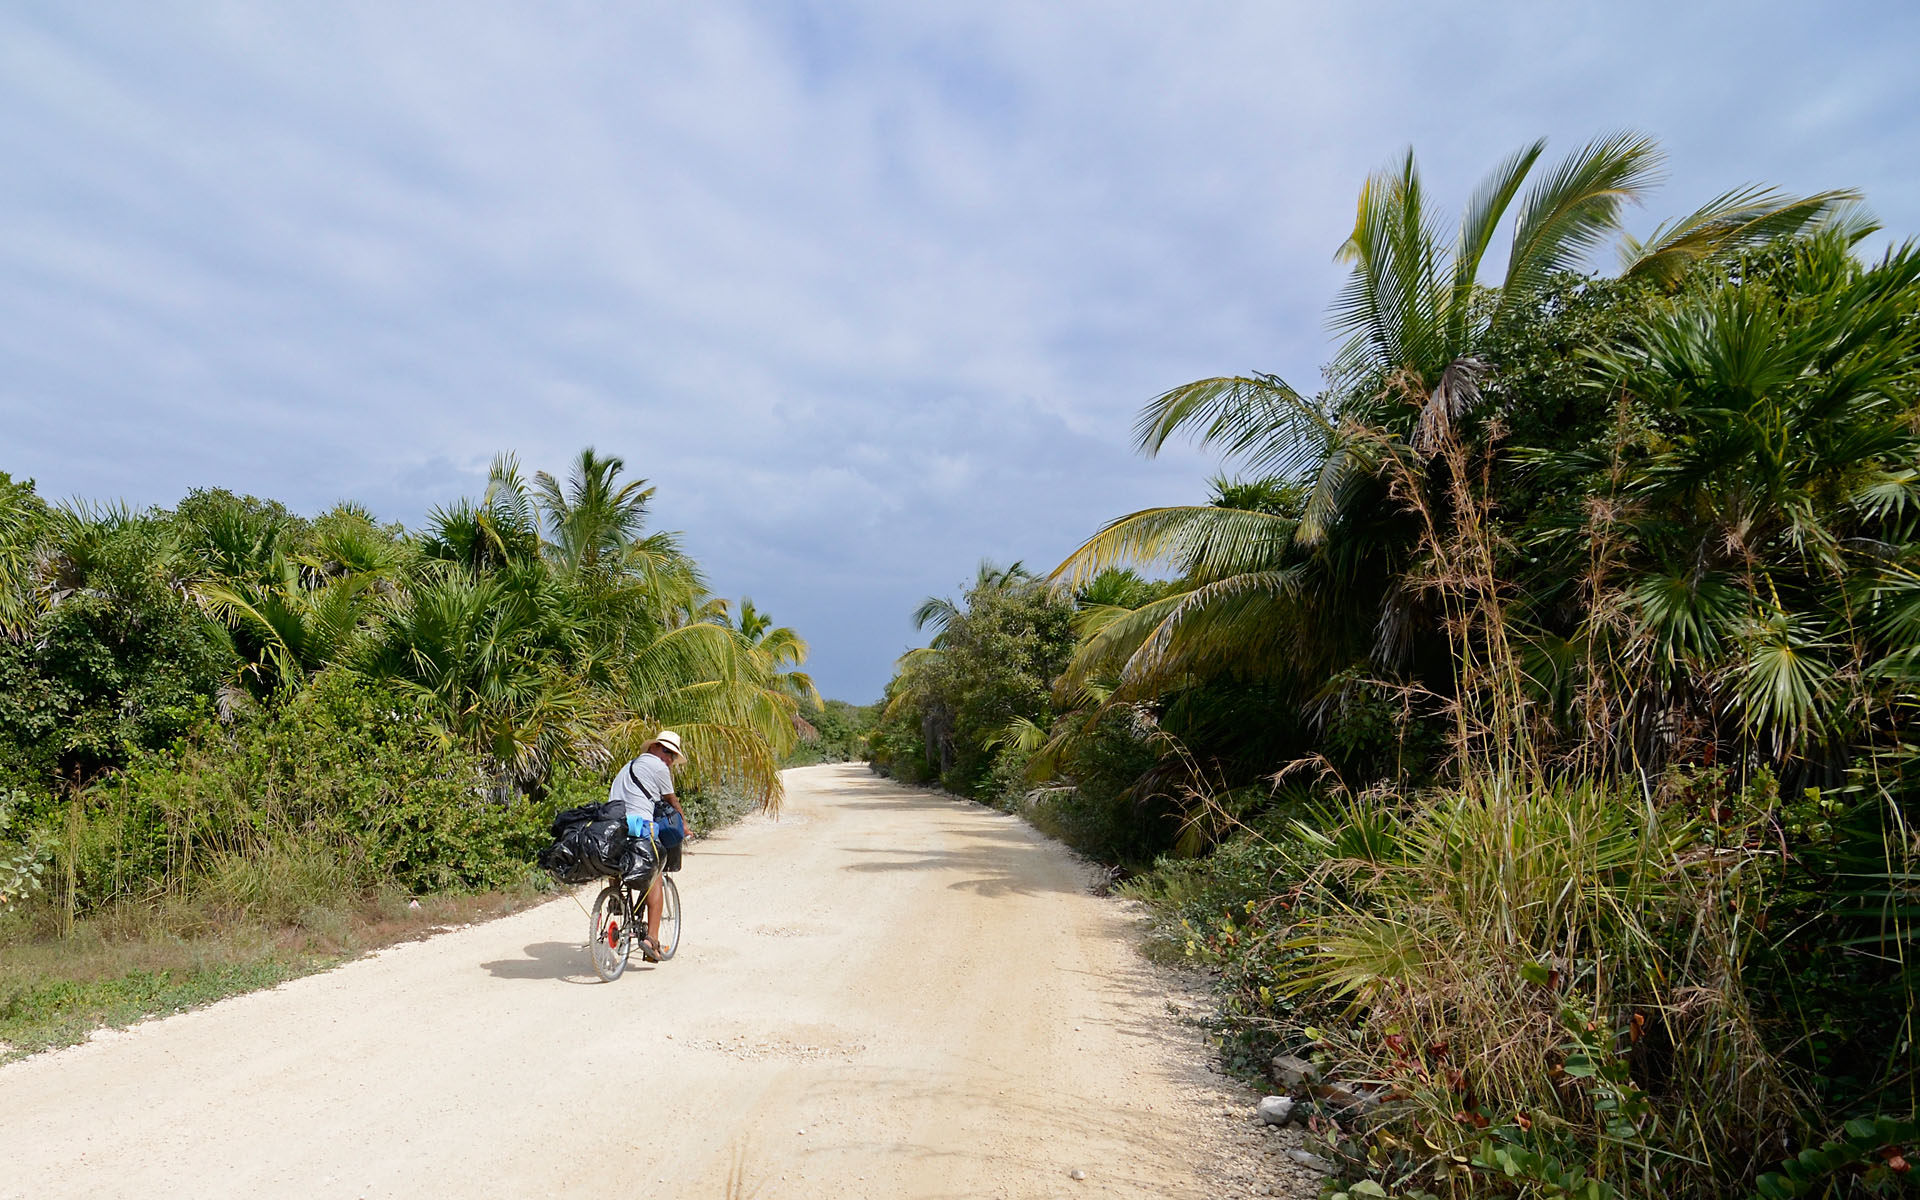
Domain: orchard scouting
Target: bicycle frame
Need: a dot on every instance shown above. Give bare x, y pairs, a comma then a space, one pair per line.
617, 919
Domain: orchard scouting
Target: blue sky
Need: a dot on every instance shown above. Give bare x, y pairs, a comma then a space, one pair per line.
870, 291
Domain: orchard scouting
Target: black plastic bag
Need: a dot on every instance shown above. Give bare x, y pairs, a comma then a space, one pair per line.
589, 843
639, 862
562, 861
603, 846
568, 820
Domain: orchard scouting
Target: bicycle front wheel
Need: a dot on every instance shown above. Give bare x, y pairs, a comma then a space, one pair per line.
669, 917
611, 935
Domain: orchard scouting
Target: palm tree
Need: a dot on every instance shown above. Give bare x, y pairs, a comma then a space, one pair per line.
724, 698
502, 529
940, 611
594, 518
1327, 581
23, 518
580, 644
293, 614
492, 653
1759, 530
286, 628
781, 649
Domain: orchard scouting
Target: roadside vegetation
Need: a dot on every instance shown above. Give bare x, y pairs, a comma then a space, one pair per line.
236, 743
1522, 730
833, 731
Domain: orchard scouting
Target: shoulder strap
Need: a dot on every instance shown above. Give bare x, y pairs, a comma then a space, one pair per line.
633, 777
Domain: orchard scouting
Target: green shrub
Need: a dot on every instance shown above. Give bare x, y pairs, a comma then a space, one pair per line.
347, 784
1232, 911
716, 807
24, 852
841, 733
1117, 829
1558, 962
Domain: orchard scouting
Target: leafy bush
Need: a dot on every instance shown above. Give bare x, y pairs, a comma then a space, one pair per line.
991, 666
1232, 911
24, 851
840, 733
106, 674
716, 806
349, 784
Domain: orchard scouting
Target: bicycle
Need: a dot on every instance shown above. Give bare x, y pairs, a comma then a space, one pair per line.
617, 911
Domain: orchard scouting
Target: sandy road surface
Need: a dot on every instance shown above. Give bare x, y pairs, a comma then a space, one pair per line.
884, 993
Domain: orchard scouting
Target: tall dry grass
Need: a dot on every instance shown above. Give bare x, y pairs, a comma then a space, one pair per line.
1555, 967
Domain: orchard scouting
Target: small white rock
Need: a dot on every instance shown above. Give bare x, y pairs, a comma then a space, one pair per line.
1076, 1173
1276, 1110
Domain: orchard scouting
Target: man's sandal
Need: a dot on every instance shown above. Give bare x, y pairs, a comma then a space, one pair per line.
648, 951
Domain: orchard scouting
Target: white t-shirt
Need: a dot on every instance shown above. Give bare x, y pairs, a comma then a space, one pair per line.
656, 781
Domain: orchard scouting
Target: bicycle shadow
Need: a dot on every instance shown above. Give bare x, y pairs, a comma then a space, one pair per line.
563, 962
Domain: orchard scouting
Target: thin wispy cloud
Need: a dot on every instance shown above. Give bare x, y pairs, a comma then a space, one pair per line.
871, 292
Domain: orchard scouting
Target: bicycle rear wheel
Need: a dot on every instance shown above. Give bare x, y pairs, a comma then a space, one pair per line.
611, 935
669, 918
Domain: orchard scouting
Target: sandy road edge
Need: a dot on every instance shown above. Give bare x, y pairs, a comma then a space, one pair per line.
113, 1031
1244, 1156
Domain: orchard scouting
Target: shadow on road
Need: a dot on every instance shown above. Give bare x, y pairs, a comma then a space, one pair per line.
566, 962
901, 803
1011, 868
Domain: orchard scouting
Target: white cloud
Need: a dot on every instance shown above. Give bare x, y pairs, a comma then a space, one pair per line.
870, 291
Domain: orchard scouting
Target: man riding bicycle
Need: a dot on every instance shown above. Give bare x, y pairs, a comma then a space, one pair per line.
642, 786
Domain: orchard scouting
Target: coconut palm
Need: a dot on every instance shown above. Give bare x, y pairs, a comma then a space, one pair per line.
782, 650
723, 697
938, 612
594, 518
1329, 580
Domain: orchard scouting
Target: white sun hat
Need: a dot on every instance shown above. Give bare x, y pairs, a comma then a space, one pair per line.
669, 739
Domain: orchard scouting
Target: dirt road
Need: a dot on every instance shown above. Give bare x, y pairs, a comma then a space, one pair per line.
883, 993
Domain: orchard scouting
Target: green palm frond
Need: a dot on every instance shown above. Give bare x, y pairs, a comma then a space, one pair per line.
1202, 541
1224, 625
1572, 210
594, 517
269, 620
1882, 492
1785, 681
1689, 616
1477, 226
1018, 734
936, 612
1255, 418
1393, 309
1732, 221
1353, 455
23, 519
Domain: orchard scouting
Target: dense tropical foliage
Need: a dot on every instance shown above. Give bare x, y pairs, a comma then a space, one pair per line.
223, 691
1525, 733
